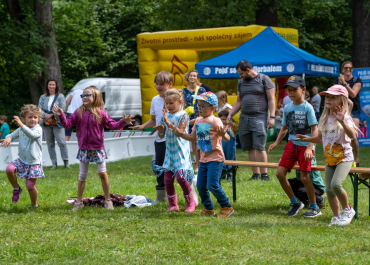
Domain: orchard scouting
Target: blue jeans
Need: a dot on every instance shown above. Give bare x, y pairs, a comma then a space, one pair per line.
209, 180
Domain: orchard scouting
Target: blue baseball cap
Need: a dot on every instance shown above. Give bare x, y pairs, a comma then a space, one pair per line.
209, 97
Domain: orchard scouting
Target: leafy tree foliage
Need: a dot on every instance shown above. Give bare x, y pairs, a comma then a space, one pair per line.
19, 46
98, 37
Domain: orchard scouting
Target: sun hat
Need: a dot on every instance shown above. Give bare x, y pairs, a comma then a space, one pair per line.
209, 97
335, 90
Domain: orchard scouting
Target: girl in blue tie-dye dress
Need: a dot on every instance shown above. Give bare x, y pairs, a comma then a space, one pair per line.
177, 160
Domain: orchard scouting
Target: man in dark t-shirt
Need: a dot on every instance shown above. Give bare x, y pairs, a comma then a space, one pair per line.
255, 98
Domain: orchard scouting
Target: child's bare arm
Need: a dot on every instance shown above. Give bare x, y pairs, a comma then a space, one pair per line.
221, 132
304, 138
308, 153
189, 137
280, 137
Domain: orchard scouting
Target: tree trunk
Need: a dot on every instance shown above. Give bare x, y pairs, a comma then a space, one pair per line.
37, 86
360, 34
44, 17
266, 13
14, 9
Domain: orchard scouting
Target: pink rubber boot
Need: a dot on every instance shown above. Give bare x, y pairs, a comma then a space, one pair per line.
190, 203
172, 202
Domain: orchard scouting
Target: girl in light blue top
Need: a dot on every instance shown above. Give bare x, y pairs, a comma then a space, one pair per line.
177, 160
28, 164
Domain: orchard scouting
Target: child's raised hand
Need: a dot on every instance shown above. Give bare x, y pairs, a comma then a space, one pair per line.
18, 121
128, 119
165, 119
58, 111
340, 113
272, 146
6, 142
301, 137
220, 131
159, 128
174, 129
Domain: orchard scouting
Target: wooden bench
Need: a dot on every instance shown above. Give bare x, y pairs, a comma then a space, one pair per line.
359, 175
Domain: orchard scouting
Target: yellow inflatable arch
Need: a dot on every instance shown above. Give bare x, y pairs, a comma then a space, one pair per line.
177, 53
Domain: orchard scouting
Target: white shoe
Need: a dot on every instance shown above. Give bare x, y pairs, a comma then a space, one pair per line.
77, 205
334, 221
108, 204
195, 195
346, 217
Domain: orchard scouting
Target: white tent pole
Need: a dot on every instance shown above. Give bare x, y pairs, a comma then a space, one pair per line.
303, 76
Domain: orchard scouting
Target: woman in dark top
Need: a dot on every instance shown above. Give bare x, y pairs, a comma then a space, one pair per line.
193, 89
207, 88
353, 85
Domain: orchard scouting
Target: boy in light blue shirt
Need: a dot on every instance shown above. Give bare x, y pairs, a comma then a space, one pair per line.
298, 118
4, 129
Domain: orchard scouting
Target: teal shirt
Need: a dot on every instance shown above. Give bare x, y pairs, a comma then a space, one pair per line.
299, 119
5, 129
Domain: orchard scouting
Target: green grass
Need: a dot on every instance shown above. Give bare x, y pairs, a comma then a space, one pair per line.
257, 233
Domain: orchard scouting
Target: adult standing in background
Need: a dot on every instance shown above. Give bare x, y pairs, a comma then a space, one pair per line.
255, 99
191, 107
353, 85
73, 102
51, 126
316, 101
206, 87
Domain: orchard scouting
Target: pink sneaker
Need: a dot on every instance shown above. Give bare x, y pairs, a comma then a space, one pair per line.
17, 195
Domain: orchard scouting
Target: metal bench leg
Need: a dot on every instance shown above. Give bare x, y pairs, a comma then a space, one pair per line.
355, 195
234, 183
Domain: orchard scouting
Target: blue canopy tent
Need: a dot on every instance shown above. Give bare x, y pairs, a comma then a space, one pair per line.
269, 54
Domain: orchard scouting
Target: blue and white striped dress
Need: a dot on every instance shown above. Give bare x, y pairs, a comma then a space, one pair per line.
177, 157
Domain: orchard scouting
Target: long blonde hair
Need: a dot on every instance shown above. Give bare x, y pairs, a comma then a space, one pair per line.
323, 122
97, 104
222, 98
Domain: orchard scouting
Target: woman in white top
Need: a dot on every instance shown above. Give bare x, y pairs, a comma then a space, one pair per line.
52, 129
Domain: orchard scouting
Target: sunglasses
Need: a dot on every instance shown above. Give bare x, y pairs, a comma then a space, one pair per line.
86, 96
347, 68
202, 107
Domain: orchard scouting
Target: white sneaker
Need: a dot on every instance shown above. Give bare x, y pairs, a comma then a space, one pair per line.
334, 221
108, 204
77, 205
346, 217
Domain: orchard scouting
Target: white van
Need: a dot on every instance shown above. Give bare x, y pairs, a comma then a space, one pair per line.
120, 95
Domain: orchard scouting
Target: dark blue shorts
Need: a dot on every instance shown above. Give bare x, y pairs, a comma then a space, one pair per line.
356, 114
